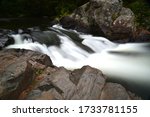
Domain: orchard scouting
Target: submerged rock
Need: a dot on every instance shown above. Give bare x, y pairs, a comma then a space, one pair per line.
102, 17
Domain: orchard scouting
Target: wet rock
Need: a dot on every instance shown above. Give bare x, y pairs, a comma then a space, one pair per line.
45, 37
5, 39
104, 17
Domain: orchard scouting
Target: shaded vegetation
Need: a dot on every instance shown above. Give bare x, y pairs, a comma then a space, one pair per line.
59, 8
141, 9
37, 8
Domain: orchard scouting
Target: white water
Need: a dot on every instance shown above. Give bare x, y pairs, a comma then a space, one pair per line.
129, 63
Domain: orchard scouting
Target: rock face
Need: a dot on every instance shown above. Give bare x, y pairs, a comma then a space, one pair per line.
141, 35
118, 92
104, 17
30, 75
15, 71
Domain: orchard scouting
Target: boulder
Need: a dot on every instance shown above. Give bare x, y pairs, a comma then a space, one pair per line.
86, 83
59, 83
141, 35
15, 71
103, 17
45, 37
30, 75
114, 91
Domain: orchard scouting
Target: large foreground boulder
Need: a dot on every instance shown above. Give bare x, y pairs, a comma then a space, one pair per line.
86, 83
102, 17
15, 72
26, 74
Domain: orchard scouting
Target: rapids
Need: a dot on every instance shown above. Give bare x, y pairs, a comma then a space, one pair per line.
128, 64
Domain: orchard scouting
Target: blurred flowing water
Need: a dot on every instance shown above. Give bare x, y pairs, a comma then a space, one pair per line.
128, 64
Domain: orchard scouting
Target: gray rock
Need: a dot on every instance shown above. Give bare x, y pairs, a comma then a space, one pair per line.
15, 71
4, 38
86, 83
106, 18
114, 91
60, 85
124, 25
26, 74
90, 84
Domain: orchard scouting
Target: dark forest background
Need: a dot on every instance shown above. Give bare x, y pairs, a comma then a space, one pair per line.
59, 8
37, 8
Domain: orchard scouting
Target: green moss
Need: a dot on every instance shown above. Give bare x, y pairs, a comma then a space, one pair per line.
38, 72
114, 16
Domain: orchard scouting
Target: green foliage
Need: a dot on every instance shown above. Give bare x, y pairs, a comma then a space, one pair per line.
141, 10
65, 8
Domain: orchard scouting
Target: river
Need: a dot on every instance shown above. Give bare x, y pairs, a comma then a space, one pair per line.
126, 63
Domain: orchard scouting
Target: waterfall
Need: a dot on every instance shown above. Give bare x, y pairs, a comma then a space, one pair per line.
128, 63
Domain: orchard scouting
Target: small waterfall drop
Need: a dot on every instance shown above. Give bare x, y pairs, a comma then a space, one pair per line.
128, 63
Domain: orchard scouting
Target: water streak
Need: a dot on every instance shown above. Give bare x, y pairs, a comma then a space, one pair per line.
126, 63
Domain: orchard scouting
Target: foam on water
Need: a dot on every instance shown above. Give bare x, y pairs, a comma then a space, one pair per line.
126, 63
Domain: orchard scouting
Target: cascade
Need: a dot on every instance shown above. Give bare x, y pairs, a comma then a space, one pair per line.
128, 63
